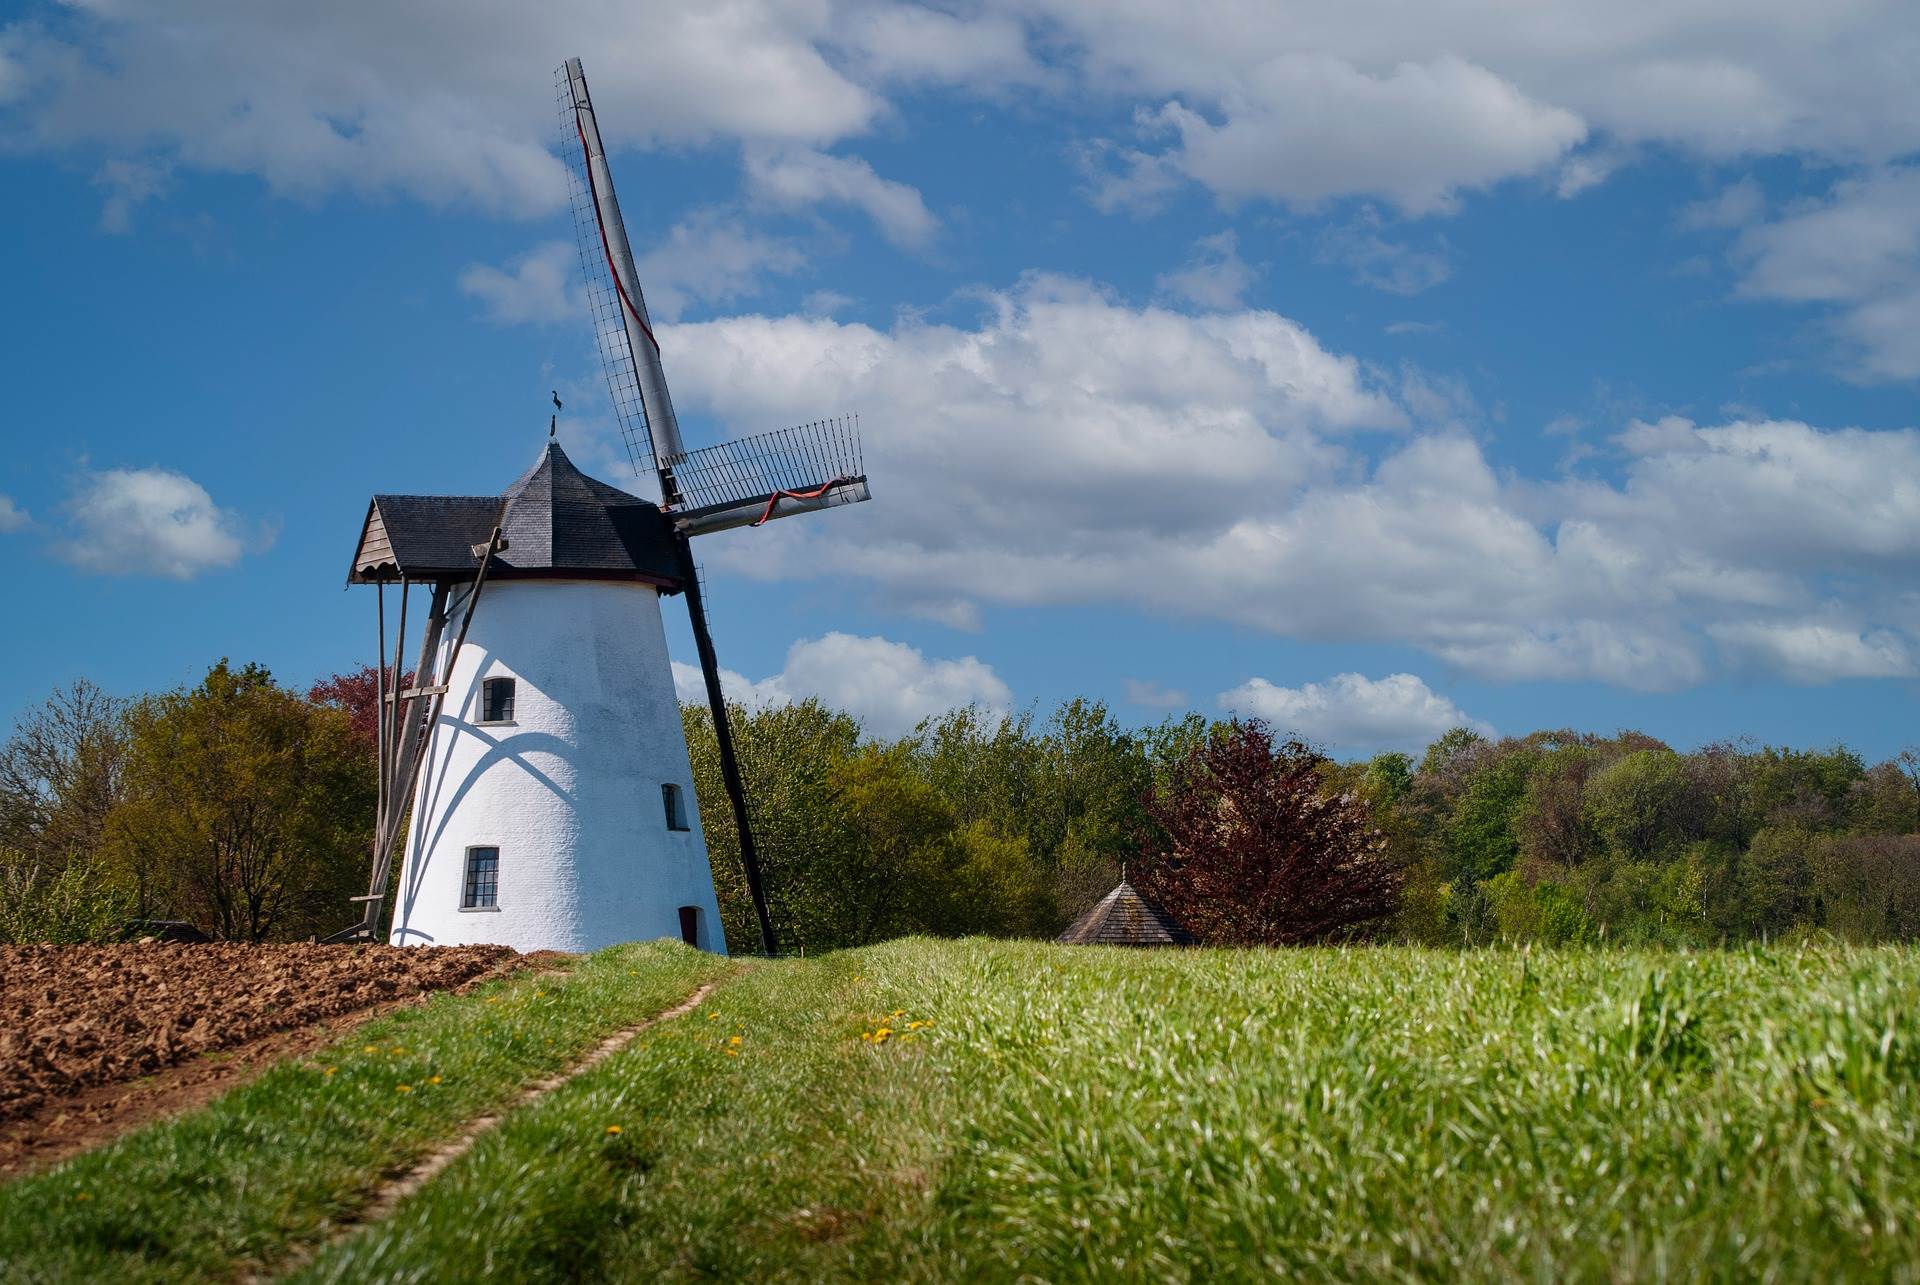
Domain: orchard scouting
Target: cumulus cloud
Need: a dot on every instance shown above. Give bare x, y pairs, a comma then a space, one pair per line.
12, 516
1811, 651
149, 521
445, 102
712, 258
1857, 252
1352, 712
888, 686
797, 178
1321, 100
1348, 98
1415, 135
1069, 448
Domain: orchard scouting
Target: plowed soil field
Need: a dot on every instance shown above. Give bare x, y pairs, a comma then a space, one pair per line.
76, 1018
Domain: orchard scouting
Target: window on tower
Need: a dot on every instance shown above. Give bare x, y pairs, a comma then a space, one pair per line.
481, 888
676, 807
496, 700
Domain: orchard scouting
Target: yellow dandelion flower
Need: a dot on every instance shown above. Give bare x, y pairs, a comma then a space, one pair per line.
330, 1070
733, 1052
433, 1079
82, 1195
403, 1088
613, 1128
734, 1040
712, 1016
371, 1048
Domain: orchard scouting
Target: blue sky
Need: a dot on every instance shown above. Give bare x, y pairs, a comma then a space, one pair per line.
1366, 369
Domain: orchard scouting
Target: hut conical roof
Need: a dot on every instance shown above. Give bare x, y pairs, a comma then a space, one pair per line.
1124, 917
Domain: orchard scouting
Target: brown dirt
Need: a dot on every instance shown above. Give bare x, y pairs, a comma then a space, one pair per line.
78, 1023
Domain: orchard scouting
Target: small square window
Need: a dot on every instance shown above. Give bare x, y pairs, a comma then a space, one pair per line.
676, 807
496, 700
481, 890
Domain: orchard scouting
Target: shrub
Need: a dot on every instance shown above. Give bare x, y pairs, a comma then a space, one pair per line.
82, 902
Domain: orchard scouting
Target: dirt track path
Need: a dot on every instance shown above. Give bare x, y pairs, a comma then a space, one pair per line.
390, 1195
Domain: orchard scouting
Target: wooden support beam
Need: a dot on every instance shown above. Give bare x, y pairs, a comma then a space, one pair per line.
412, 692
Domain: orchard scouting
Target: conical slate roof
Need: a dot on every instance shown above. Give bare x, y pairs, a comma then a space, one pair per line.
556, 521
1125, 918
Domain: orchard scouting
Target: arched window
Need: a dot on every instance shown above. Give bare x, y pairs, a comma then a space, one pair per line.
496, 700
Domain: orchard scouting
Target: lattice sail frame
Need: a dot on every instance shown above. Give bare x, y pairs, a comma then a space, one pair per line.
603, 299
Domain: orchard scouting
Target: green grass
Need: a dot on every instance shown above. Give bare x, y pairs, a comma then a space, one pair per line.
1077, 1114
262, 1170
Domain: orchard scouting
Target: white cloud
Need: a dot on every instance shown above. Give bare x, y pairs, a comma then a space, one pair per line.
1415, 135
1809, 651
797, 177
1348, 97
1859, 251
443, 101
1151, 695
1352, 712
1393, 266
538, 286
711, 258
149, 521
1215, 277
888, 686
1327, 98
1070, 449
916, 46
12, 516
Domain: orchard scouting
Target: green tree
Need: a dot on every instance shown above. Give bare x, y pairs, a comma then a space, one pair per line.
1480, 838
787, 757
1639, 804
248, 810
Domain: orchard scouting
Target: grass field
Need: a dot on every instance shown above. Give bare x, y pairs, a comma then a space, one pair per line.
1061, 1114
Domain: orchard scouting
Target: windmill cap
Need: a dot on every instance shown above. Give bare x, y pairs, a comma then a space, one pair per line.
557, 523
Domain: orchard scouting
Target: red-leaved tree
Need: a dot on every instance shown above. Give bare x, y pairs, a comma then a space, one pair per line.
1253, 851
358, 694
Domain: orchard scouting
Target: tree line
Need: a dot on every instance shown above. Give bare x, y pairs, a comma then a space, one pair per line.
245, 807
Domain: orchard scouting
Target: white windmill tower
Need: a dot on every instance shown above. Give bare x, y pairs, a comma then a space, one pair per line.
539, 747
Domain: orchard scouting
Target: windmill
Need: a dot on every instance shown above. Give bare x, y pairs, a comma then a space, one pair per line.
529, 789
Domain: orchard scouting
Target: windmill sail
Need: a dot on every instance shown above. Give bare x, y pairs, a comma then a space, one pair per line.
745, 482
627, 346
750, 481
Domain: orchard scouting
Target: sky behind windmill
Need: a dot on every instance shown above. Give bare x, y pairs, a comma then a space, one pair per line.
1374, 368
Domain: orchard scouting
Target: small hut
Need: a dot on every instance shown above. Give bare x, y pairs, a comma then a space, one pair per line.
1124, 917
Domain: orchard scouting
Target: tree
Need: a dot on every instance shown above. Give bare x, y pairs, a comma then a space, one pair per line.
357, 694
60, 776
248, 809
1552, 824
787, 755
1638, 804
1251, 851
